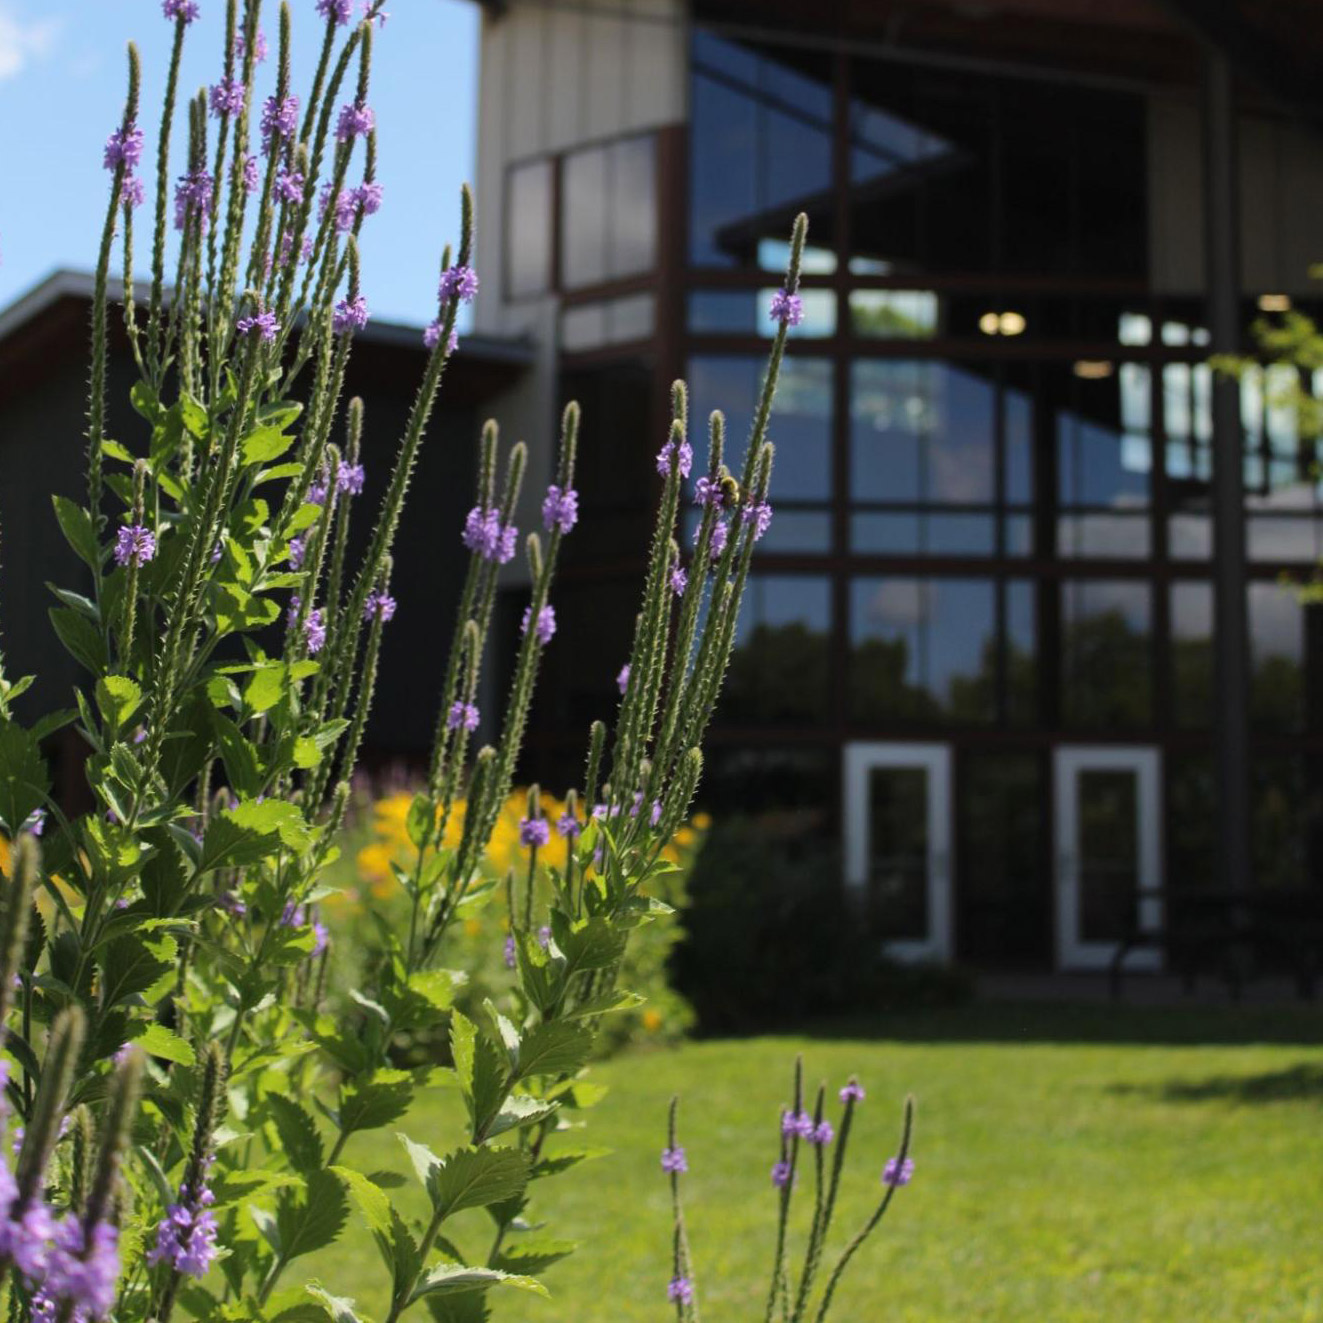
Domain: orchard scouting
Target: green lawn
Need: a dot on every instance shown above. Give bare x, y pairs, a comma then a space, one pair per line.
1122, 1165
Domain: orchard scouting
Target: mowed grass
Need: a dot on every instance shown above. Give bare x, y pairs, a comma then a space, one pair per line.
1128, 1164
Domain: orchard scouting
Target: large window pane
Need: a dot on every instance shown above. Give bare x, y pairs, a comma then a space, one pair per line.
923, 650
609, 212
1106, 654
1021, 653
1277, 656
528, 239
955, 171
779, 671
922, 432
760, 150
1104, 453
584, 212
1192, 654
801, 427
633, 232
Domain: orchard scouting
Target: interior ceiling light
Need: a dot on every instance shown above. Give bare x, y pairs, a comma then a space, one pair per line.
1093, 369
1274, 303
1002, 323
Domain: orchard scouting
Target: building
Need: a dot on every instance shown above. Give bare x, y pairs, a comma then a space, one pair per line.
1017, 637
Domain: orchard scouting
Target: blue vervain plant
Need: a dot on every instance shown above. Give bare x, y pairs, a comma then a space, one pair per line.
187, 1101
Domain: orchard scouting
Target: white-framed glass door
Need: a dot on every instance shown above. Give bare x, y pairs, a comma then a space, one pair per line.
898, 843
1108, 853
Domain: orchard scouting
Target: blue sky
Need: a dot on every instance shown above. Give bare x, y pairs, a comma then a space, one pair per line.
62, 71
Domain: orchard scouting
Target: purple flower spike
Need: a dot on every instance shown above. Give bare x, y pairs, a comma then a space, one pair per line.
622, 680
684, 457
485, 534
462, 715
185, 9
193, 196
356, 121
379, 606
34, 823
350, 479
853, 1092
186, 1235
797, 1123
679, 580
280, 119
897, 1174
227, 97
720, 535
568, 826
674, 1160
533, 832
823, 1134
335, 11
432, 337
368, 196
350, 315
457, 282
509, 953
123, 148
260, 48
290, 187
132, 193
759, 514
545, 628
297, 550
780, 1174
680, 1290
314, 632
560, 509
788, 309
263, 323
134, 544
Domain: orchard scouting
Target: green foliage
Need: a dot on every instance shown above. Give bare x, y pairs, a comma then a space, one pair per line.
766, 943
178, 932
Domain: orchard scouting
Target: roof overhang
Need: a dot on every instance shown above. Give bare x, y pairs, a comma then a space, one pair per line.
48, 326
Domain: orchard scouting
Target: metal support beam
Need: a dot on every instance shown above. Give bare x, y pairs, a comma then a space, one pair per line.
1231, 662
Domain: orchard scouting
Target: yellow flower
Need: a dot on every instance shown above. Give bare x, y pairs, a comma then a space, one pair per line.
652, 1020
374, 862
472, 927
702, 821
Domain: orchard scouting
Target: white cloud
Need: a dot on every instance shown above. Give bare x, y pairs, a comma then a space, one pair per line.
22, 39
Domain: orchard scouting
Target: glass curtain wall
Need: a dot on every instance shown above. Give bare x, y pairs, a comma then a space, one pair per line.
993, 468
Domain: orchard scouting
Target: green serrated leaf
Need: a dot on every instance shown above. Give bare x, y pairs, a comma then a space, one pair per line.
76, 525
370, 1198
264, 445
119, 698
158, 1041
371, 1105
23, 779
314, 1220
519, 1110
449, 1278
533, 1254
337, 1308
556, 1047
299, 1140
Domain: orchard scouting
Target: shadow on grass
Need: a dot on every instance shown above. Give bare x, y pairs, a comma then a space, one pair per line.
1068, 1023
1302, 1082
